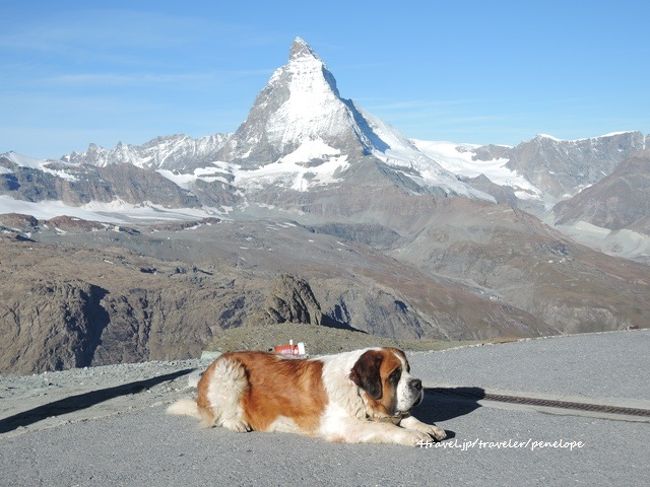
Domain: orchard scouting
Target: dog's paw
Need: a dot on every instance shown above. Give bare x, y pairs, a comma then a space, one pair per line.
413, 438
434, 431
236, 425
438, 433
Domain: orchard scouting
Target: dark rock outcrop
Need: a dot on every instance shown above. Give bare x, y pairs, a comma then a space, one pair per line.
291, 300
49, 325
18, 221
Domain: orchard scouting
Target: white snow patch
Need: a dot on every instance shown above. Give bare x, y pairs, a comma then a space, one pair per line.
182, 180
610, 134
216, 172
116, 211
403, 153
546, 136
310, 150
149, 211
387, 133
59, 173
44, 210
40, 164
458, 159
23, 160
289, 171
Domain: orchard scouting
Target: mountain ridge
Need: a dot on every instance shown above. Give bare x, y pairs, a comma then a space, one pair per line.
301, 135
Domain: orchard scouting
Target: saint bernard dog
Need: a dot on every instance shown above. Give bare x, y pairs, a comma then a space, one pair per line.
362, 396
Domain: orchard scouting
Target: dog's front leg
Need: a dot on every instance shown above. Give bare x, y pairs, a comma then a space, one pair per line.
356, 431
414, 424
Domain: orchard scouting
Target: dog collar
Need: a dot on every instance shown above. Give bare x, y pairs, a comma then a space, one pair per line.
398, 416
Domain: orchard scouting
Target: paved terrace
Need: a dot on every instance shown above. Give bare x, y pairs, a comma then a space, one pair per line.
114, 430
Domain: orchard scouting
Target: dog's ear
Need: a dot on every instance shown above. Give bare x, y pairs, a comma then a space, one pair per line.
365, 373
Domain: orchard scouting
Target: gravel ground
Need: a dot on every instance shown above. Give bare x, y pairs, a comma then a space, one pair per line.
110, 427
150, 448
599, 366
52, 399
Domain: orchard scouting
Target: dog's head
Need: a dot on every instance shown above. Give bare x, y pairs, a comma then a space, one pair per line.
384, 375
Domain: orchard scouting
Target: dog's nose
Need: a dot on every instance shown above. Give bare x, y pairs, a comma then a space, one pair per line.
416, 384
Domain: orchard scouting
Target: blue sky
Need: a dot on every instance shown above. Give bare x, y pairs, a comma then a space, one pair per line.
72, 73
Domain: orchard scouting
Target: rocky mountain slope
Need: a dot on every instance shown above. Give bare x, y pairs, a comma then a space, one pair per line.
97, 296
518, 260
561, 168
76, 185
620, 200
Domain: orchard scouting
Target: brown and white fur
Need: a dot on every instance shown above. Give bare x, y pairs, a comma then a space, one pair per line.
362, 396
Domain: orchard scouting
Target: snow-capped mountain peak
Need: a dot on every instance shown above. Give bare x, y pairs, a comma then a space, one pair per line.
300, 133
313, 107
300, 104
300, 48
177, 152
299, 120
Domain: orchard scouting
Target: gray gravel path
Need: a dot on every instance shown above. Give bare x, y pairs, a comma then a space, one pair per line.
150, 448
596, 366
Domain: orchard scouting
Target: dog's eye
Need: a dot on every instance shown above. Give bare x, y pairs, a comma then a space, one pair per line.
394, 377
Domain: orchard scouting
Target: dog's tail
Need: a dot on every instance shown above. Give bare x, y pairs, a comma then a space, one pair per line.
185, 407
